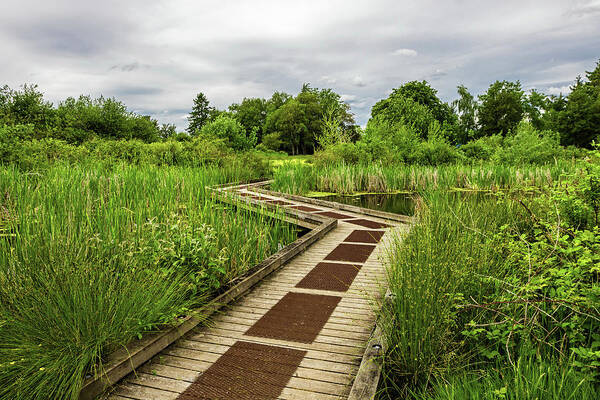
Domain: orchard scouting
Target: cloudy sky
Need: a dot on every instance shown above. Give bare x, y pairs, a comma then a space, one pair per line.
155, 55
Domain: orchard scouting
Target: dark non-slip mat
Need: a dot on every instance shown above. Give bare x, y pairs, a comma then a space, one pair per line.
335, 215
330, 276
351, 252
246, 371
363, 236
368, 223
305, 208
261, 198
297, 317
279, 202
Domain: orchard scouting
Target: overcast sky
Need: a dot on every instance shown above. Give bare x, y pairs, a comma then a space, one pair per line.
156, 55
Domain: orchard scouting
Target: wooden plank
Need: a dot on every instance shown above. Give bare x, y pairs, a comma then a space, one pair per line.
349, 318
328, 330
139, 392
308, 362
322, 352
334, 323
177, 379
233, 330
197, 366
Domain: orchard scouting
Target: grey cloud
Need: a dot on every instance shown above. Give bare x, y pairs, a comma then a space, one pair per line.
124, 91
128, 67
156, 57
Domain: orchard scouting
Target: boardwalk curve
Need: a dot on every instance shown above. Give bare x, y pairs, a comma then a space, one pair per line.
299, 334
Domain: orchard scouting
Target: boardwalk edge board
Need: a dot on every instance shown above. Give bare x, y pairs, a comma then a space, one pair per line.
259, 187
367, 378
124, 361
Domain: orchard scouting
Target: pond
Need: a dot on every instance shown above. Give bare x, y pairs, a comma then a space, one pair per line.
398, 203
403, 203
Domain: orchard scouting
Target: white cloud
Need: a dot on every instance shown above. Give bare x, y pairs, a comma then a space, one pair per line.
358, 81
328, 80
559, 90
405, 52
347, 97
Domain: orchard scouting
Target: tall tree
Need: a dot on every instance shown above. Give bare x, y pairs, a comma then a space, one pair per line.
277, 100
579, 122
536, 105
414, 104
400, 110
501, 109
466, 109
425, 95
288, 124
332, 106
229, 129
252, 114
200, 115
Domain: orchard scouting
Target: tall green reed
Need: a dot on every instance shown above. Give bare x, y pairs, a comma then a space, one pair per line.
374, 177
430, 272
97, 255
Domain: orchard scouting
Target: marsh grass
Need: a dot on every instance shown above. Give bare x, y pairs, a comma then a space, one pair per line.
378, 178
93, 257
450, 327
529, 378
429, 272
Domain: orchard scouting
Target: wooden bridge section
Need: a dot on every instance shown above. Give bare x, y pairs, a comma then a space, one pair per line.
299, 334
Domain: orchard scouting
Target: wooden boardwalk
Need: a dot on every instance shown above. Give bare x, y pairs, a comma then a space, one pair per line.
328, 363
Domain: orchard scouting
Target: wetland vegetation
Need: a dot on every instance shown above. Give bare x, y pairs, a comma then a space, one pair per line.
107, 230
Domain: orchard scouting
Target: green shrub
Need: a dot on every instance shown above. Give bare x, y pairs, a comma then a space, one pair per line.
231, 130
529, 146
482, 149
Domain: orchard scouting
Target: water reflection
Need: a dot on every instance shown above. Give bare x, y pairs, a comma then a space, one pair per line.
400, 203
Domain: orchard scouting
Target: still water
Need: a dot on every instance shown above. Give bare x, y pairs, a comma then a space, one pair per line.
400, 203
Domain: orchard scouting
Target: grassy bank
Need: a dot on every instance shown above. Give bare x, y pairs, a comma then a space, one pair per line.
92, 257
497, 298
378, 178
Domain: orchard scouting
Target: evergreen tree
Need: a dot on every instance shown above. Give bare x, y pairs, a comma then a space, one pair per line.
200, 115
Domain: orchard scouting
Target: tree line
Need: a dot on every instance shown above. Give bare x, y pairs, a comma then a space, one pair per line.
303, 123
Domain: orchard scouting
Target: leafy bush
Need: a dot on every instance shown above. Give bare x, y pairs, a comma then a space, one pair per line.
529, 146
436, 150
482, 149
486, 283
229, 129
414, 105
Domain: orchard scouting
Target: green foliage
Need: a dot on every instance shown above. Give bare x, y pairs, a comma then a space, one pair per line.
272, 141
526, 145
502, 108
26, 106
493, 283
414, 107
529, 378
98, 255
230, 130
579, 121
483, 149
466, 108
84, 118
288, 122
332, 129
398, 110
252, 114
200, 114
